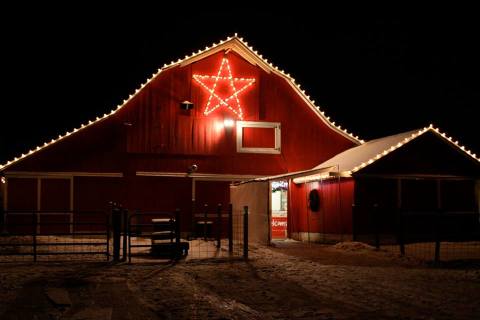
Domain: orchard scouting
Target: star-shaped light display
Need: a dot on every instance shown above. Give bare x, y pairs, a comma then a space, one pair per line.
224, 89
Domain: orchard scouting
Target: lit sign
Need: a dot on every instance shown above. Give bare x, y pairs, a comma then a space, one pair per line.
224, 89
279, 185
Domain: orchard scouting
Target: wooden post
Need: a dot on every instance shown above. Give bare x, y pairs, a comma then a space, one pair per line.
35, 227
2, 211
205, 217
178, 252
245, 232
354, 228
376, 225
219, 224
401, 239
117, 230
438, 218
125, 233
107, 229
230, 228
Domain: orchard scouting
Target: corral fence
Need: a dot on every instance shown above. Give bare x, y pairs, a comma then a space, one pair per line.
214, 233
436, 236
43, 235
121, 234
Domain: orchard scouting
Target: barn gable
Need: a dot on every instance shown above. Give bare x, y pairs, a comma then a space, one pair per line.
160, 127
422, 152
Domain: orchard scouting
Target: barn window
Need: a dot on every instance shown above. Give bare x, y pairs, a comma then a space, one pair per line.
258, 137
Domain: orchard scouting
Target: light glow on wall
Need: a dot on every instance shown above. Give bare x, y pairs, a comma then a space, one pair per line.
228, 123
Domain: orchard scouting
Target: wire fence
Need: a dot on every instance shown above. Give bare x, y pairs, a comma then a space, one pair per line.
122, 235
218, 233
54, 236
433, 236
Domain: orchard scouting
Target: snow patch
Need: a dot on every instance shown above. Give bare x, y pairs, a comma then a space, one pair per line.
353, 246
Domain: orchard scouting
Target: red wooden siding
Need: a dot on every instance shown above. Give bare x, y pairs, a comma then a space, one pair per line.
211, 193
95, 193
22, 194
335, 214
153, 194
55, 195
151, 133
160, 127
258, 138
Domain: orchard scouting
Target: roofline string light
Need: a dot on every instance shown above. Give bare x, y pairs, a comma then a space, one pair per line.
287, 76
408, 139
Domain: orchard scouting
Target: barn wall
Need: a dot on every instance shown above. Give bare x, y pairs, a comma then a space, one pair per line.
334, 218
151, 133
161, 132
150, 194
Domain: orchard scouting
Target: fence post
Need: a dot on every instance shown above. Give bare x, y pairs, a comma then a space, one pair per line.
193, 224
2, 214
205, 216
117, 230
354, 228
400, 235
230, 228
245, 232
438, 217
107, 228
178, 253
376, 226
125, 231
35, 228
219, 224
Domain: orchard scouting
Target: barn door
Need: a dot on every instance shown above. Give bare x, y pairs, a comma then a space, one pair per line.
210, 193
55, 205
20, 204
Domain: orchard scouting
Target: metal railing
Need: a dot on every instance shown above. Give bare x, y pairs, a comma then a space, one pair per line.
55, 233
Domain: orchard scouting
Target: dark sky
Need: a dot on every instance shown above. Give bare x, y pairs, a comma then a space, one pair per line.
373, 74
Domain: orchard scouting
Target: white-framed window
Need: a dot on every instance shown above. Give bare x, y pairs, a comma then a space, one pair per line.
258, 137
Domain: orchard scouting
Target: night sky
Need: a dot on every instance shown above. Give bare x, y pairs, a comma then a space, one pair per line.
373, 74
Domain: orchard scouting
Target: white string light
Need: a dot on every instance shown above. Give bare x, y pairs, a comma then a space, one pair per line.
246, 82
192, 56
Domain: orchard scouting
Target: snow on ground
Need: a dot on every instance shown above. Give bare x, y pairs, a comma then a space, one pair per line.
288, 281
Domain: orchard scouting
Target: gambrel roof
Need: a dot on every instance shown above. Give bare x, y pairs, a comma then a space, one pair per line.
236, 44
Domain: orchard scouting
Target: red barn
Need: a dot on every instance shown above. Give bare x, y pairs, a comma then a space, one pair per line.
221, 115
224, 115
368, 189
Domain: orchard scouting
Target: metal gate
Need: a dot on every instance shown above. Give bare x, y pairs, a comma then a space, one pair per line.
213, 234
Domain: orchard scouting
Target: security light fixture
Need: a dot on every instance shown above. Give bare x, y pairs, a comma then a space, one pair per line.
192, 168
186, 105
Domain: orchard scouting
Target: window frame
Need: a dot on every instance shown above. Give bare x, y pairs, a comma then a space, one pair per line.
277, 149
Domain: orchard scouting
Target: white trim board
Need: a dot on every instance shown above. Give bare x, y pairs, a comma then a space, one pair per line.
277, 149
198, 176
60, 174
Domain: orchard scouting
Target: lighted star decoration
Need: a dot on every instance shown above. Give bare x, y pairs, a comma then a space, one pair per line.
224, 89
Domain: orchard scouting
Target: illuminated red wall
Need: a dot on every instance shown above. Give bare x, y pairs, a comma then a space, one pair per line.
335, 213
162, 137
152, 133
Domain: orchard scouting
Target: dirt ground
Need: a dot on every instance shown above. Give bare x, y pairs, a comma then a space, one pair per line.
288, 281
